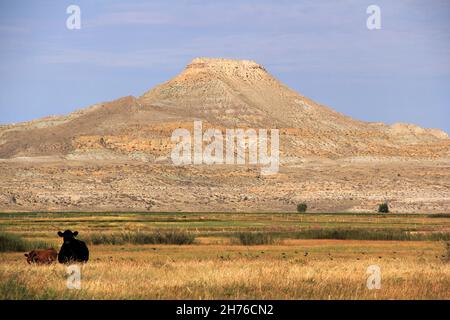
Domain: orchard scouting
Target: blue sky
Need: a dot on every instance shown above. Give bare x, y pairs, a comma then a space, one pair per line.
322, 49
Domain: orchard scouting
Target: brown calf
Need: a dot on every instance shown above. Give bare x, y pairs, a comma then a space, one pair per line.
44, 256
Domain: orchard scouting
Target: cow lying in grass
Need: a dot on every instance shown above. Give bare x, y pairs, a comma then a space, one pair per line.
43, 256
72, 250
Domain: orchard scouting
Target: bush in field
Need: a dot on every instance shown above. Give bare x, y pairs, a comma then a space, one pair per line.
302, 207
167, 237
383, 208
13, 242
254, 238
365, 234
447, 252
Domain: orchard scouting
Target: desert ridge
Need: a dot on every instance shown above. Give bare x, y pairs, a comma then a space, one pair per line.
118, 155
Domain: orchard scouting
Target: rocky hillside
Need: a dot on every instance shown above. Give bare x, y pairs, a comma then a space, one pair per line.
225, 94
116, 155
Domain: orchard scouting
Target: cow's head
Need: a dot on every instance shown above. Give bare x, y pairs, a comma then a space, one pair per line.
30, 256
68, 236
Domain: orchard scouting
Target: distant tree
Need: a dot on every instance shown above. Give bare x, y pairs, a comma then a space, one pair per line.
383, 208
301, 207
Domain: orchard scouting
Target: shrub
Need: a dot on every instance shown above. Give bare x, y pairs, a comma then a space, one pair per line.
302, 207
13, 242
254, 238
447, 252
439, 215
365, 234
383, 208
168, 237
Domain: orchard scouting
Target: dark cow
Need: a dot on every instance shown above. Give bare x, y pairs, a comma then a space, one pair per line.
44, 256
72, 250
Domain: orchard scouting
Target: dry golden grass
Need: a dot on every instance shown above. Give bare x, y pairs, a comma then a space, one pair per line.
331, 270
216, 267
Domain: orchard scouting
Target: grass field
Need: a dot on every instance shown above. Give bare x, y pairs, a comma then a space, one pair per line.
307, 256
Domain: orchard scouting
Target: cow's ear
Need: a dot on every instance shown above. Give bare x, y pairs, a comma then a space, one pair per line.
26, 254
60, 233
75, 233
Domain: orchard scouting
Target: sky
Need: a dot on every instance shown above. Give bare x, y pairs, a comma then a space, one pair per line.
321, 49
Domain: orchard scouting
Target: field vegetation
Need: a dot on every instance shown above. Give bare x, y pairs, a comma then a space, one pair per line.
231, 256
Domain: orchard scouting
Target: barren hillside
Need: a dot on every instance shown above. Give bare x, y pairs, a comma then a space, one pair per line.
116, 155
